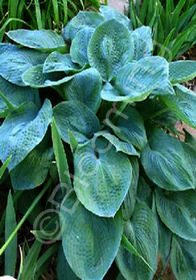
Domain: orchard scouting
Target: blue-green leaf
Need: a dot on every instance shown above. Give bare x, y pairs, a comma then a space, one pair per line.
138, 79
129, 127
33, 170
14, 61
42, 40
183, 104
79, 46
166, 163
177, 211
22, 131
64, 271
34, 77
143, 44
82, 20
182, 71
78, 118
144, 192
85, 87
142, 232
90, 243
130, 199
102, 177
57, 62
120, 146
110, 13
16, 95
165, 238
10, 225
108, 52
183, 259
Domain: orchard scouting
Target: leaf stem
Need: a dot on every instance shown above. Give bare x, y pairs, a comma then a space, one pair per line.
8, 241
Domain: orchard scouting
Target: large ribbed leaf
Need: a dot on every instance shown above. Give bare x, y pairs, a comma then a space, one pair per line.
42, 40
142, 232
183, 259
34, 77
177, 211
78, 118
90, 243
14, 61
110, 13
130, 127
82, 20
144, 192
64, 272
142, 39
16, 95
22, 131
165, 238
102, 177
182, 71
57, 62
85, 87
166, 163
79, 46
33, 170
130, 199
183, 104
138, 79
108, 52
120, 146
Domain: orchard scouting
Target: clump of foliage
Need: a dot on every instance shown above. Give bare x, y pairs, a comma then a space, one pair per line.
48, 14
173, 24
97, 101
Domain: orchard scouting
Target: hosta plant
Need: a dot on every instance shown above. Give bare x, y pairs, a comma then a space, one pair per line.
97, 103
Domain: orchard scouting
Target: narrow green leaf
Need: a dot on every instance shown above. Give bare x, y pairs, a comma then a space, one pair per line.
61, 159
4, 166
11, 250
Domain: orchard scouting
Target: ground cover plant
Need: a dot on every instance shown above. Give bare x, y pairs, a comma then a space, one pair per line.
173, 23
93, 109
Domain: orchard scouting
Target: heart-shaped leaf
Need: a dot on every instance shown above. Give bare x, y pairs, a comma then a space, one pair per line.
142, 40
120, 146
76, 117
108, 52
36, 78
14, 61
110, 13
16, 95
166, 163
57, 62
183, 104
82, 20
79, 46
94, 239
22, 131
129, 127
42, 40
85, 87
102, 177
177, 211
138, 79
182, 71
142, 232
33, 170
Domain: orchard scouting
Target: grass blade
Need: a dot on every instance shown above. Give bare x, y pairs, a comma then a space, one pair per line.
127, 245
60, 156
37, 199
11, 251
4, 166
38, 14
